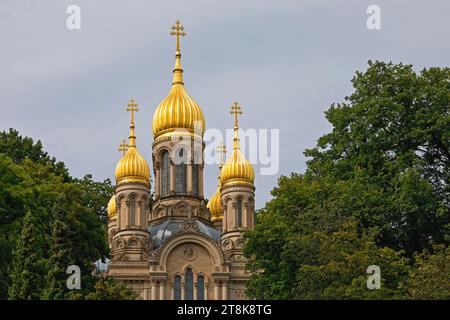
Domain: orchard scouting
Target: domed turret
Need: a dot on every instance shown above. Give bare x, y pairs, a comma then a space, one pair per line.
237, 169
178, 111
132, 167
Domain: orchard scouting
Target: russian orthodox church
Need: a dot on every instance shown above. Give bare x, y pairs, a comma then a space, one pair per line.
171, 243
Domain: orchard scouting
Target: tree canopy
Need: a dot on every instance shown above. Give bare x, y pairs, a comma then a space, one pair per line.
375, 191
48, 220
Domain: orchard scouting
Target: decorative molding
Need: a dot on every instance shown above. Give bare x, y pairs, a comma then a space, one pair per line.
189, 253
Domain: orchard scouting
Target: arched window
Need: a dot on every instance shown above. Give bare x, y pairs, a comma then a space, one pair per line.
181, 172
239, 212
165, 174
195, 186
177, 288
200, 288
133, 210
189, 285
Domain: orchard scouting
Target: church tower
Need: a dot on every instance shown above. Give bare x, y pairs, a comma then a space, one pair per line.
237, 197
128, 210
174, 246
177, 149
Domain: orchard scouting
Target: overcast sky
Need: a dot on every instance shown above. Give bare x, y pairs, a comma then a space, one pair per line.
284, 61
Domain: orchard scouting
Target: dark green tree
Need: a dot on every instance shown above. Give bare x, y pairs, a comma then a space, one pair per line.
95, 195
109, 289
306, 247
32, 182
26, 268
60, 255
15, 196
19, 148
383, 170
430, 277
104, 288
392, 135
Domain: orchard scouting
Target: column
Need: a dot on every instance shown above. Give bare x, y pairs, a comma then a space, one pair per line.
206, 291
216, 291
195, 290
127, 216
245, 223
224, 219
172, 291
182, 290
157, 182
172, 177
189, 178
200, 180
118, 214
146, 291
138, 214
153, 290
224, 291
162, 290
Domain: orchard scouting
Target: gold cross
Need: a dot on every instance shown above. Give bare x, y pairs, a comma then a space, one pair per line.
123, 147
235, 110
178, 30
132, 106
222, 150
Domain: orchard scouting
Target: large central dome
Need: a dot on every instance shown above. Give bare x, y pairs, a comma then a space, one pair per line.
178, 111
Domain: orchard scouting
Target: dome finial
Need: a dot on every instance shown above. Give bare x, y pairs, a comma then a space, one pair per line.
123, 147
222, 151
132, 107
177, 31
236, 110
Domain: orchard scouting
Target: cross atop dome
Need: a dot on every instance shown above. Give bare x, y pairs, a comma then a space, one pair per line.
236, 110
132, 107
221, 149
123, 147
177, 31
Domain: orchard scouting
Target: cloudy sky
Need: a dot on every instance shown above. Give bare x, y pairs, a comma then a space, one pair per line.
284, 61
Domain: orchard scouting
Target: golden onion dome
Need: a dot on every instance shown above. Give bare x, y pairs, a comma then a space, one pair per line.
237, 169
215, 203
112, 208
132, 167
215, 206
178, 111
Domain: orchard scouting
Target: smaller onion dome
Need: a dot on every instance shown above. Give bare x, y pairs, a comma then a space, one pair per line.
215, 206
132, 167
237, 169
112, 208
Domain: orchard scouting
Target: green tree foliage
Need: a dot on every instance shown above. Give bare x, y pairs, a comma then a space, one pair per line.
390, 136
95, 195
15, 195
104, 288
60, 256
30, 180
109, 289
19, 148
376, 191
430, 278
26, 266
